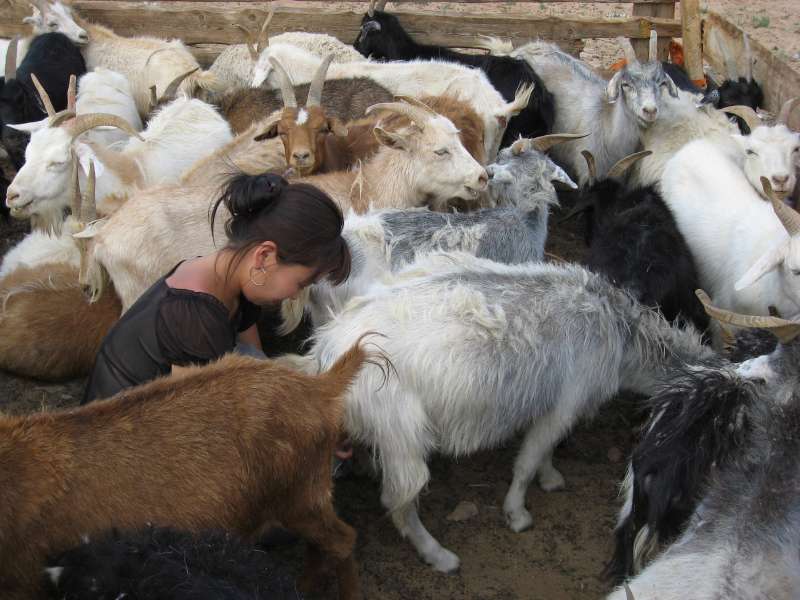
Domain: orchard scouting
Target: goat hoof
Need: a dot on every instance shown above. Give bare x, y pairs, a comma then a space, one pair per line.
445, 561
551, 481
519, 521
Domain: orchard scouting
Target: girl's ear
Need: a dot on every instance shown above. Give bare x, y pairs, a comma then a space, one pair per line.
266, 255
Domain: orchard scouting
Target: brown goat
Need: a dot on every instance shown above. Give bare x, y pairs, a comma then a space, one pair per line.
234, 445
50, 331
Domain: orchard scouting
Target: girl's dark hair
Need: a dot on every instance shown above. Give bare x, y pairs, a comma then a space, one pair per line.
303, 221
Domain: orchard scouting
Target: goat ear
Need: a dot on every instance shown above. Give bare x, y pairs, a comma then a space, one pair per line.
337, 127
268, 134
767, 263
612, 91
390, 139
32, 127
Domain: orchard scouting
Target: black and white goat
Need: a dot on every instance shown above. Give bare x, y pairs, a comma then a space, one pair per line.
51, 58
716, 471
382, 37
634, 241
158, 563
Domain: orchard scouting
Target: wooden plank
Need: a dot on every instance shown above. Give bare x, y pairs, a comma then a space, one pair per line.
393, 2
692, 40
664, 10
213, 23
779, 81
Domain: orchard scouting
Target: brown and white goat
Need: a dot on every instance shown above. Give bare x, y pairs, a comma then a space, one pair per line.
235, 445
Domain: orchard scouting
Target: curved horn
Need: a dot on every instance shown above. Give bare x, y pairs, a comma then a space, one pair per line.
89, 206
57, 119
543, 143
381, 5
371, 8
318, 82
262, 39
786, 110
75, 205
591, 165
653, 46
419, 103
72, 93
623, 164
748, 59
251, 47
628, 51
48, 104
84, 123
153, 97
173, 86
11, 59
784, 329
287, 90
789, 218
747, 114
413, 112
727, 58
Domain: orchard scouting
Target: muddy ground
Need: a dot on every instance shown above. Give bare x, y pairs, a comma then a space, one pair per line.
561, 557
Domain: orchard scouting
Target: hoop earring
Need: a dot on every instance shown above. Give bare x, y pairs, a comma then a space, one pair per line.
253, 281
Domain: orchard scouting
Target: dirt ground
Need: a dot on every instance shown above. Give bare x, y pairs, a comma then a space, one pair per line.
562, 555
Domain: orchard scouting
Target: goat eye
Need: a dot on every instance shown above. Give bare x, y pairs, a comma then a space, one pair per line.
54, 164
627, 86
441, 152
751, 153
796, 272
52, 25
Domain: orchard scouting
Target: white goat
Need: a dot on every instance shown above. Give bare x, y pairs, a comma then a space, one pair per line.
178, 136
615, 112
412, 78
145, 61
417, 164
747, 256
482, 351
109, 92
47, 18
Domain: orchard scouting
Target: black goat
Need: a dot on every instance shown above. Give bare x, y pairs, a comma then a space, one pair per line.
164, 564
52, 57
634, 241
382, 37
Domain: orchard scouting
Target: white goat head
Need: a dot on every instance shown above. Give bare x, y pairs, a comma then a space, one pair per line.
41, 187
50, 17
785, 256
770, 151
641, 85
432, 152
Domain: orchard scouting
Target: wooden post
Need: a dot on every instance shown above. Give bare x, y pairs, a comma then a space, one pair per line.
693, 41
664, 10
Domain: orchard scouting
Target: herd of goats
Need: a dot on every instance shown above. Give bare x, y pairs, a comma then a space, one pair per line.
452, 334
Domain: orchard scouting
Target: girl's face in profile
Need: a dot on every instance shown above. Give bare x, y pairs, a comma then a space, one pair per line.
267, 280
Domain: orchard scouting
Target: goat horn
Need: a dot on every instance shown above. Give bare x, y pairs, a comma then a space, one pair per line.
173, 86
786, 110
623, 164
789, 218
153, 97
747, 114
251, 48
75, 206
784, 329
591, 165
318, 82
413, 112
89, 206
653, 47
748, 59
371, 8
628, 51
381, 5
287, 90
57, 119
84, 123
72, 93
11, 59
419, 103
543, 143
727, 58
48, 104
262, 40
628, 592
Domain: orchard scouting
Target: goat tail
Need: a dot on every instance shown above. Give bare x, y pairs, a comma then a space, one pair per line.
343, 372
292, 311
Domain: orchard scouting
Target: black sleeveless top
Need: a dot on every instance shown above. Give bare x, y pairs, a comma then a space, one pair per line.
164, 327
